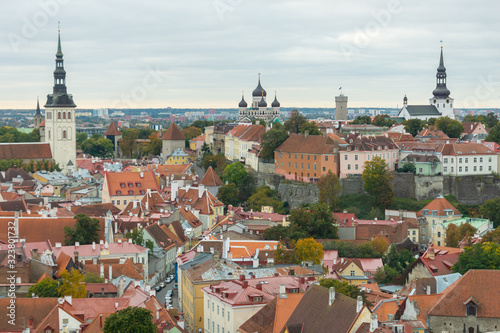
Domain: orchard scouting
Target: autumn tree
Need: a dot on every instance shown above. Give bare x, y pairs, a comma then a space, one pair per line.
191, 132
270, 141
329, 189
217, 162
478, 256
414, 126
492, 236
128, 143
454, 233
92, 278
377, 181
130, 320
309, 250
155, 145
451, 127
264, 196
282, 255
379, 245
45, 288
72, 284
85, 231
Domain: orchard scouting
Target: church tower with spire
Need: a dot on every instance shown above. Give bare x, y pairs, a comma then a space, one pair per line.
441, 99
38, 118
60, 128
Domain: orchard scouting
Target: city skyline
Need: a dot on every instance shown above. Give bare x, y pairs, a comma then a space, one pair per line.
187, 56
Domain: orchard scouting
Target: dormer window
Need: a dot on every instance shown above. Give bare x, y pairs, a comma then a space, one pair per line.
257, 299
118, 192
471, 309
138, 184
130, 192
122, 185
130, 184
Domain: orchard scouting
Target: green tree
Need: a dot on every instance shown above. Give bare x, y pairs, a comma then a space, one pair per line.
191, 132
377, 181
452, 128
431, 121
137, 235
386, 274
45, 288
72, 284
344, 288
383, 120
282, 255
329, 189
414, 126
98, 147
217, 162
294, 123
234, 173
155, 145
92, 278
271, 140
201, 124
361, 120
310, 127
130, 320
85, 231
128, 143
80, 138
228, 194
494, 134
309, 250
278, 232
479, 256
408, 167
491, 210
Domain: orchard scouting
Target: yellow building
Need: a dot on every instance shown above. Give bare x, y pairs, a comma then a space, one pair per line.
437, 212
177, 157
350, 271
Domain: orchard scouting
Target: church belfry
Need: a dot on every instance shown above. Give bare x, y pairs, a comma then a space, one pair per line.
441, 95
60, 128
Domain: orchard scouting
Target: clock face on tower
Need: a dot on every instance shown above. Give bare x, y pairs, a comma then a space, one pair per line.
447, 101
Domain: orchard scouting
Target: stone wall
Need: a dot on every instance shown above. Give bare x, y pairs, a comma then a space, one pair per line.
352, 185
403, 184
472, 190
269, 179
428, 187
296, 193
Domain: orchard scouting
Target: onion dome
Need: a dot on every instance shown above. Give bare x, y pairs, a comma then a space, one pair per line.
262, 103
275, 103
242, 104
259, 91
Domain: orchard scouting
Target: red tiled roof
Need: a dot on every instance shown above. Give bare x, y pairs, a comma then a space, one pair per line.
173, 133
481, 284
131, 183
440, 205
21, 150
424, 304
211, 179
36, 309
311, 144
443, 259
112, 130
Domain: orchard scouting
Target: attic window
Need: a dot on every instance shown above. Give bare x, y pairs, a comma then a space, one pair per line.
122, 185
257, 299
471, 309
138, 184
118, 192
142, 191
130, 192
130, 184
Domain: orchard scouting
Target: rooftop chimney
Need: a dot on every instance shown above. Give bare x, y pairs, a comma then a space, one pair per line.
242, 277
110, 272
331, 295
259, 286
373, 322
283, 291
93, 245
359, 304
102, 270
245, 283
77, 244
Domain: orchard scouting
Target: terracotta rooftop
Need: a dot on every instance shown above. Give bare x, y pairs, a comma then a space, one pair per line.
311, 144
112, 130
22, 150
131, 183
211, 179
97, 210
455, 298
439, 207
173, 133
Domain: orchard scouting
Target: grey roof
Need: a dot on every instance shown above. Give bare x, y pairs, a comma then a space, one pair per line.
444, 281
275, 103
420, 158
242, 104
423, 110
198, 259
259, 91
262, 103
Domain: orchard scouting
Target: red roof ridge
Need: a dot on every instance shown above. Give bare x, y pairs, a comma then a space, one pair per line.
173, 133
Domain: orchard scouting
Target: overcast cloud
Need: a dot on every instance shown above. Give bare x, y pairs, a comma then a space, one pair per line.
203, 53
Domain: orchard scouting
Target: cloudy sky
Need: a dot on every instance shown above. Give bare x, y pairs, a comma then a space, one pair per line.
203, 53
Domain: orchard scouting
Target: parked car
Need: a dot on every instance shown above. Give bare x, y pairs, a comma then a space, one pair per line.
157, 288
168, 280
162, 285
170, 292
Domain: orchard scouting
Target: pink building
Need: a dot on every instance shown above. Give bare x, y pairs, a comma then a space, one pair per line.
364, 148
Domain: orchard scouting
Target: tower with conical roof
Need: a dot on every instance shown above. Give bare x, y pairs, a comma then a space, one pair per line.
441, 95
38, 118
60, 128
172, 140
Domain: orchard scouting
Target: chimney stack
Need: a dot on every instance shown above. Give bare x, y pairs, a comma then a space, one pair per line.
331, 294
110, 268
245, 283
373, 322
283, 291
259, 286
242, 277
359, 304
93, 245
102, 270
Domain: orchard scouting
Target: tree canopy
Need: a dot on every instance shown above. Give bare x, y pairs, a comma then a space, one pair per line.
98, 147
491, 210
264, 196
494, 134
362, 120
72, 284
490, 120
451, 127
309, 250
271, 140
130, 320
377, 181
454, 233
85, 231
344, 288
329, 189
383, 120
414, 126
479, 256
45, 288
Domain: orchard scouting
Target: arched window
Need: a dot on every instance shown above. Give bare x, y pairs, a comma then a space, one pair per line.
59, 115
471, 309
64, 115
69, 115
64, 134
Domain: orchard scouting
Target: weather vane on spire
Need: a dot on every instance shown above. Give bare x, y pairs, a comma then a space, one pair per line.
259, 76
441, 41
59, 26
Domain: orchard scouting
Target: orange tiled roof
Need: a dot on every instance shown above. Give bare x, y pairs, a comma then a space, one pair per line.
424, 304
334, 137
112, 130
440, 205
131, 183
211, 179
386, 308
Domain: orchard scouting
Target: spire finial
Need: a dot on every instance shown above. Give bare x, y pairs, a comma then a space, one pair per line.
441, 41
59, 51
259, 77
242, 93
59, 26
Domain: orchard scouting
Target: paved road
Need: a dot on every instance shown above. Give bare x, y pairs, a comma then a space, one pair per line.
160, 295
